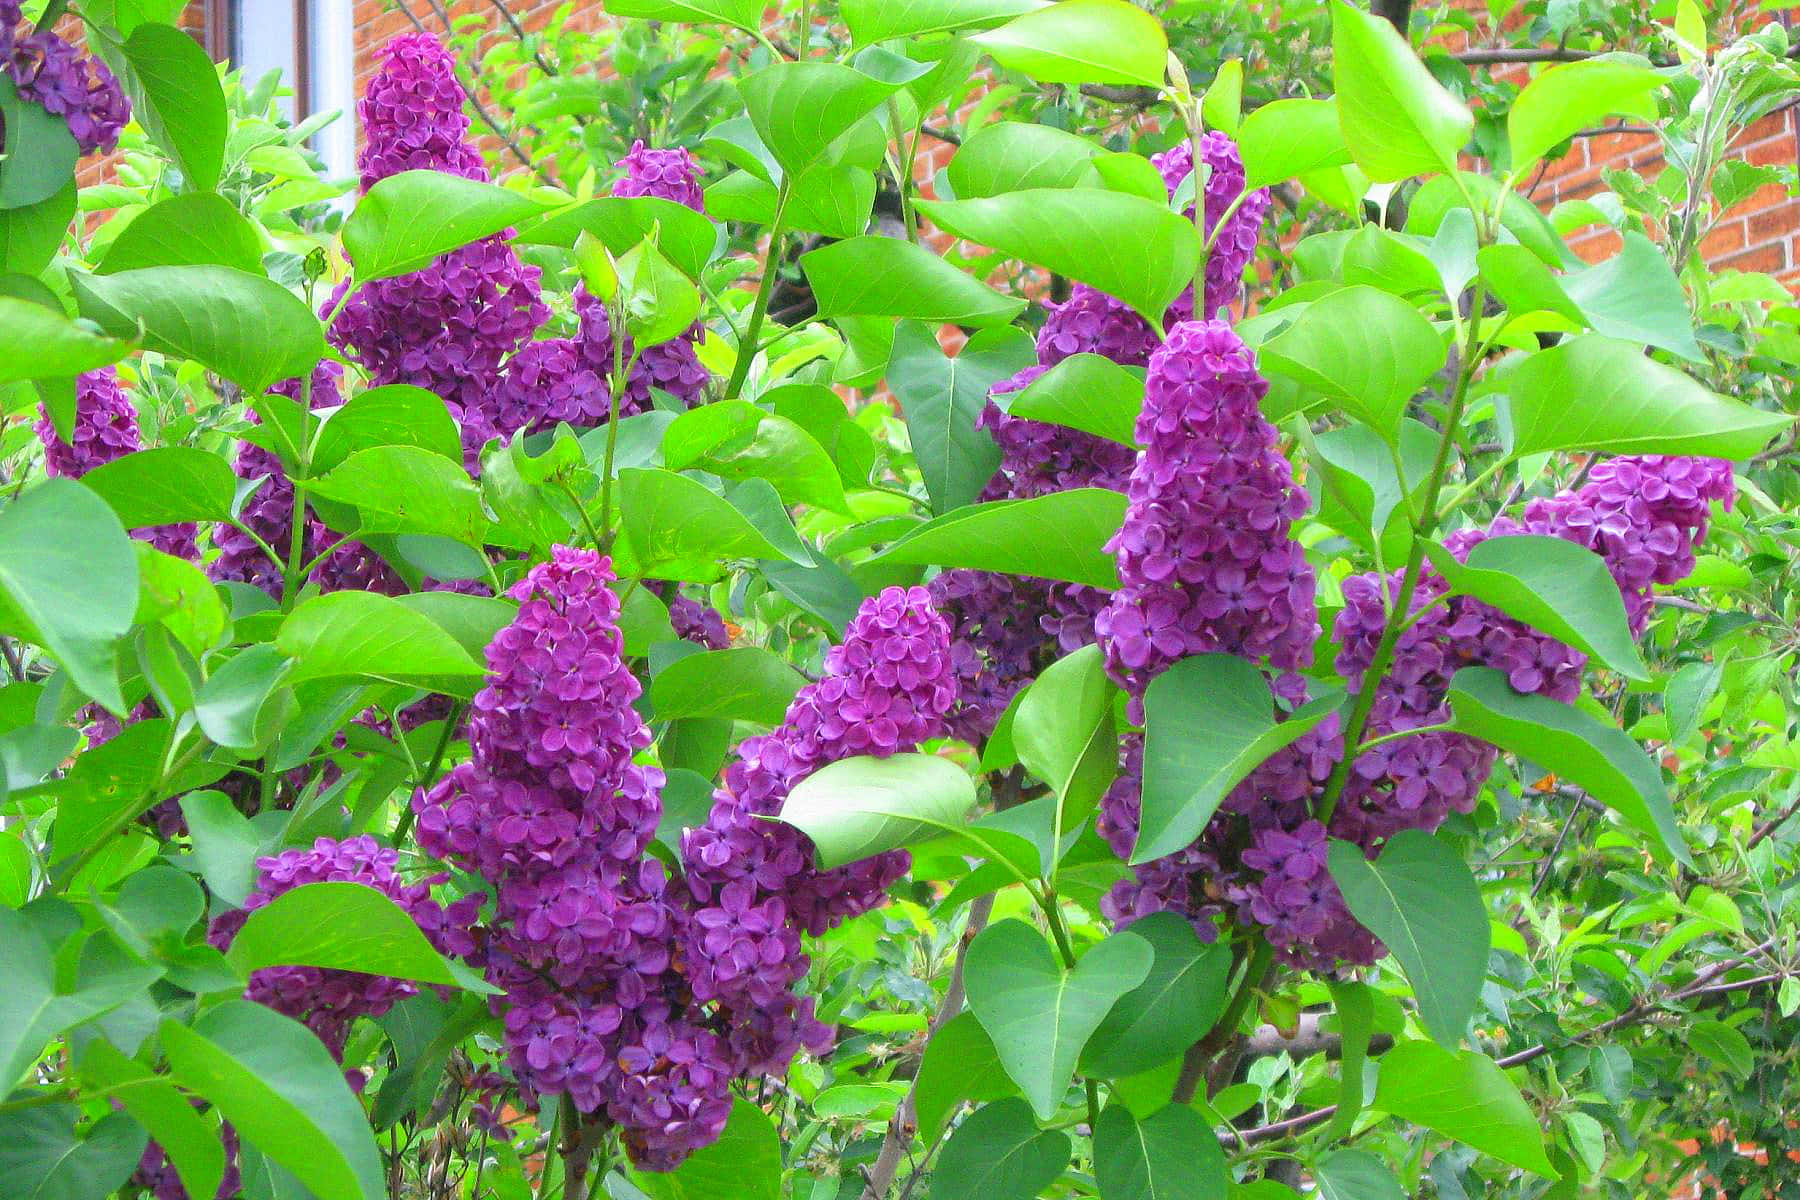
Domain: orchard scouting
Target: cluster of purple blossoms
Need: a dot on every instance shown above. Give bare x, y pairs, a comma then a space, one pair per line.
328, 1001
751, 882
1206, 563
699, 623
556, 814
412, 115
105, 430
667, 174
157, 1176
53, 73
1008, 628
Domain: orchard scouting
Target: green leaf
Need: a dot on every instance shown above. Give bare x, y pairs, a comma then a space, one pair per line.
1725, 1046
406, 489
1039, 1014
858, 807
362, 635
1688, 693
165, 485
1171, 1155
178, 100
1572, 96
32, 1010
659, 302
190, 1140
999, 1153
1598, 757
959, 1064
779, 451
1421, 901
1462, 1096
745, 1162
621, 222
40, 151
873, 21
108, 786
1397, 120
1175, 1006
1635, 295
888, 277
277, 1084
250, 330
1186, 778
177, 595
1123, 245
1552, 585
1369, 350
745, 14
1354, 1175
1065, 735
36, 343
69, 577
31, 234
1362, 495
1059, 536
671, 518
344, 927
835, 199
226, 846
943, 397
1285, 139
195, 229
1089, 392
233, 706
1011, 156
744, 683
1082, 41
472, 620
396, 415
405, 221
42, 1158
1631, 405
800, 108
1355, 1005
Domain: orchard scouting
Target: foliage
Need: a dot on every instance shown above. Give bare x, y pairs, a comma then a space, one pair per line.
700, 656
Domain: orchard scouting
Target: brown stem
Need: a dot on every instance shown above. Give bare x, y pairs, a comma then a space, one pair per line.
1768, 827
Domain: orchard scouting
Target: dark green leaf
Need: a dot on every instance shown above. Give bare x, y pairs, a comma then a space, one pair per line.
1353, 1175
32, 1010
1065, 735
40, 151
1688, 693
1173, 1008
1725, 1046
959, 1064
745, 1162
191, 1141
1421, 901
1355, 1005
1186, 778
1595, 756
226, 846
42, 1158
744, 683
999, 1153
1171, 1155
30, 235
233, 706
1039, 1014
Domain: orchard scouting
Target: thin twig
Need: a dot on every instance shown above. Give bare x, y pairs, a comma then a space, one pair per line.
1575, 811
1768, 827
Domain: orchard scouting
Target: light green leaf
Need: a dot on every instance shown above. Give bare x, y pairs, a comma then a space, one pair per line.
800, 108
873, 21
407, 220
744, 683
164, 485
1572, 96
277, 1084
1039, 1014
1059, 536
744, 1164
621, 222
1354, 1175
1591, 754
1631, 405
1126, 246
36, 343
943, 397
859, 807
1089, 392
250, 330
363, 635
745, 14
1397, 120
188, 230
1285, 139
1369, 350
1082, 41
233, 705
406, 489
395, 415
192, 1142
1553, 585
1064, 733
1725, 1046
999, 1153
671, 518
888, 277
1421, 901
1011, 156
1462, 1096
31, 234
32, 1010
1186, 778
178, 100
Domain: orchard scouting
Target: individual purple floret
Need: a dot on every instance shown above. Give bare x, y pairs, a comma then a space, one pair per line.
327, 1000
1235, 244
105, 430
56, 75
669, 174
412, 114
1206, 563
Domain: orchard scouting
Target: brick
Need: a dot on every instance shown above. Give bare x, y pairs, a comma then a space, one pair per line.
1778, 220
1770, 256
1769, 152
1723, 239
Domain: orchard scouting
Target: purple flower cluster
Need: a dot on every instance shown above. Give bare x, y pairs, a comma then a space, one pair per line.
105, 430
328, 1001
752, 884
1206, 563
156, 1175
698, 623
52, 73
412, 114
555, 813
1235, 244
668, 174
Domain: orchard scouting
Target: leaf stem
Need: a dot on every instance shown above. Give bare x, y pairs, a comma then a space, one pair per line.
764, 290
1260, 965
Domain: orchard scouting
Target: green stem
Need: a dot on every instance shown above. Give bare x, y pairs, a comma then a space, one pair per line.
621, 372
295, 572
1384, 739
1474, 485
1256, 976
764, 290
421, 782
